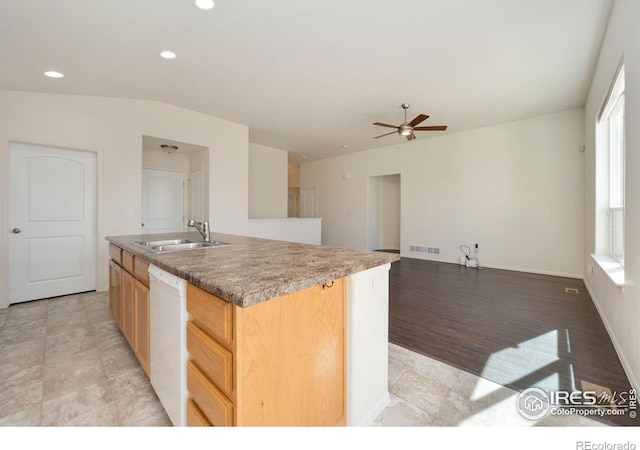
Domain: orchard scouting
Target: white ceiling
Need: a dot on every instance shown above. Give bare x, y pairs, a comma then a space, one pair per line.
311, 76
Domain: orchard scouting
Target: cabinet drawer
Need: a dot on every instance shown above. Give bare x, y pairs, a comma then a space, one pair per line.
211, 313
211, 357
127, 261
141, 270
115, 253
195, 418
217, 408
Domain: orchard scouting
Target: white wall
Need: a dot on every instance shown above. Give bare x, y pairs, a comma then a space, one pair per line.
200, 161
619, 307
113, 129
292, 229
516, 189
293, 177
267, 182
157, 159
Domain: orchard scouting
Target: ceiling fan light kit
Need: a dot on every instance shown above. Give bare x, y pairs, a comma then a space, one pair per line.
407, 129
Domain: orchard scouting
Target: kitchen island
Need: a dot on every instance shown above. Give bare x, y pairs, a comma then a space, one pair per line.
304, 332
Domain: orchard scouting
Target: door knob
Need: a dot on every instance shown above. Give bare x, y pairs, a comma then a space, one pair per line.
16, 230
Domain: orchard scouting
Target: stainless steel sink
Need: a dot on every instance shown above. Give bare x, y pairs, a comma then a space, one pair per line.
175, 245
165, 242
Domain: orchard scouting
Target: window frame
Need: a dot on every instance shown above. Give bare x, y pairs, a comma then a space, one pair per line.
613, 115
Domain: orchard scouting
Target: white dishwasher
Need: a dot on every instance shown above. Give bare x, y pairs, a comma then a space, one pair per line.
168, 339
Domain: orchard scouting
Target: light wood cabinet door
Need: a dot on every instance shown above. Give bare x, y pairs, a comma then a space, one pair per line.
217, 408
211, 313
290, 359
129, 301
141, 270
142, 326
211, 357
128, 304
115, 253
195, 418
115, 290
127, 261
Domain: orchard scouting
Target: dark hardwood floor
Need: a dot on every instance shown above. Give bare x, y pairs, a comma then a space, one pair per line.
517, 329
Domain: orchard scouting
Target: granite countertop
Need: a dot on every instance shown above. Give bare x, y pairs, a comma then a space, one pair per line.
253, 270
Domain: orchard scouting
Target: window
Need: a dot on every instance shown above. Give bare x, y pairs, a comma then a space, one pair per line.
612, 123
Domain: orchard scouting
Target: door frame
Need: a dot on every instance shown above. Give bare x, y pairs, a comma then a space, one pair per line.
189, 209
302, 201
101, 248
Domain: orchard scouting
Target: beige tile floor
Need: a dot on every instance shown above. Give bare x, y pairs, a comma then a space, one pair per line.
428, 393
64, 362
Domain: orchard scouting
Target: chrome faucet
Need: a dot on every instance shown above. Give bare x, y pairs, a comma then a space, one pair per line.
202, 227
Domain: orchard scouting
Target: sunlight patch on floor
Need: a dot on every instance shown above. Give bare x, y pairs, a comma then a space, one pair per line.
511, 364
503, 412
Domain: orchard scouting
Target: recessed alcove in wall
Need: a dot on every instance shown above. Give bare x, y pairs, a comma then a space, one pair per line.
175, 184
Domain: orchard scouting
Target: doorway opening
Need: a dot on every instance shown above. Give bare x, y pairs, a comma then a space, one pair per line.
383, 213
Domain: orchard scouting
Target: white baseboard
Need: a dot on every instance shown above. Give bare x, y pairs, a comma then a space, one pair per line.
578, 276
614, 341
539, 272
367, 419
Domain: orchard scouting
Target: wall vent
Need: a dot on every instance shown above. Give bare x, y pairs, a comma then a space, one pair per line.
425, 249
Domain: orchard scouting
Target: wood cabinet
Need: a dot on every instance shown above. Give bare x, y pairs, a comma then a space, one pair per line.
278, 363
195, 418
128, 308
141, 340
115, 290
129, 301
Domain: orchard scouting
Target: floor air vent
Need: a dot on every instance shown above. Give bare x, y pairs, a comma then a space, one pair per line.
571, 290
425, 249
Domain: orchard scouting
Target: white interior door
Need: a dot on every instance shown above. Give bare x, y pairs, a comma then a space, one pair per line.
195, 195
52, 222
162, 201
309, 203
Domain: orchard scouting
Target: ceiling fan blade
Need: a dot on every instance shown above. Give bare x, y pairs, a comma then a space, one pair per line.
410, 137
385, 125
383, 135
433, 128
420, 118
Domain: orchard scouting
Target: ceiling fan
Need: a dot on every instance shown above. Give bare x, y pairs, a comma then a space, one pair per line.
407, 129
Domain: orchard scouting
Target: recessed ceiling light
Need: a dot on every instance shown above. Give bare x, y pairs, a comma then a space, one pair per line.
204, 5
168, 54
345, 145
53, 74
